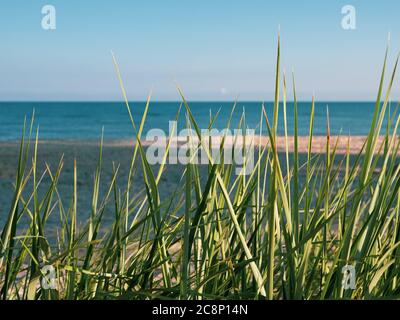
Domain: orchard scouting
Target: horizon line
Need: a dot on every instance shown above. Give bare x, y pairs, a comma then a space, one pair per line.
179, 101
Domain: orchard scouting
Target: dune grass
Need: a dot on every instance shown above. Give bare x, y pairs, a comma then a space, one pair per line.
274, 234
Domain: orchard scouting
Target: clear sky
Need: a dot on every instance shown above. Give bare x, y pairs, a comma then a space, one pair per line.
215, 49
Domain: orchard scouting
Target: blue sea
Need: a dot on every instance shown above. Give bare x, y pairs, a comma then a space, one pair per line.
85, 120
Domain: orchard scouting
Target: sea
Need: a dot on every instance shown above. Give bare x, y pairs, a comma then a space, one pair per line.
82, 121
86, 120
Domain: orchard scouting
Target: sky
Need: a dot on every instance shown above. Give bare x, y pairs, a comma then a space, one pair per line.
214, 49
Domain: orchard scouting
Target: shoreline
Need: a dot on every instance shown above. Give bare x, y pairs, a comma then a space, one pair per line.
354, 145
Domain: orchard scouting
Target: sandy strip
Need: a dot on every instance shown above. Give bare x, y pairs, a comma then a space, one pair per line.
318, 143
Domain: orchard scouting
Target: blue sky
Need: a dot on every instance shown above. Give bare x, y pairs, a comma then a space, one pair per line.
215, 50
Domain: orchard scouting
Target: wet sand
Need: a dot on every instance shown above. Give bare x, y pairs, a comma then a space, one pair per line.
117, 152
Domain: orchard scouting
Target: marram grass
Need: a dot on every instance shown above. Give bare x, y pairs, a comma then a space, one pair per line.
274, 234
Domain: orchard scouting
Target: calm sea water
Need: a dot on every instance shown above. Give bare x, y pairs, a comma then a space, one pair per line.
84, 120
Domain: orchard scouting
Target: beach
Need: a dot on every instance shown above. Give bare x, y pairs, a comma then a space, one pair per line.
343, 144
119, 153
